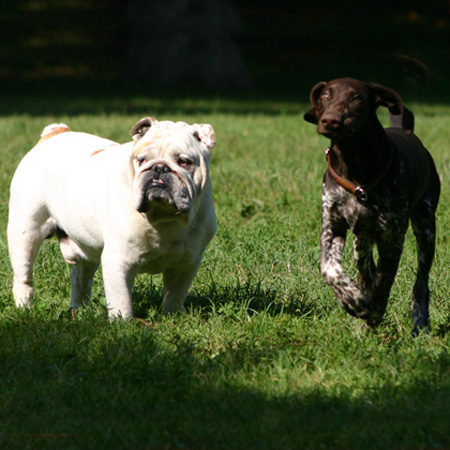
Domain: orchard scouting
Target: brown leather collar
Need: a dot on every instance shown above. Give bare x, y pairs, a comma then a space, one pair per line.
359, 191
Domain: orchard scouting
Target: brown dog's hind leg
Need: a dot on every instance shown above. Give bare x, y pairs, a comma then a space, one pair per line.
388, 261
424, 227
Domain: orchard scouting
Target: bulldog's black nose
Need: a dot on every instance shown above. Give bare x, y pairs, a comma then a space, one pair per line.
158, 169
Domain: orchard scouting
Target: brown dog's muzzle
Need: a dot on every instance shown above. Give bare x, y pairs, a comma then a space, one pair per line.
329, 123
333, 124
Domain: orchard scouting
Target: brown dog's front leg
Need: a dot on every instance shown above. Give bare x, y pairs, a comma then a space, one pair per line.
363, 255
348, 293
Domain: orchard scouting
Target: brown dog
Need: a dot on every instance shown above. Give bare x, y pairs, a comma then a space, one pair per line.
377, 180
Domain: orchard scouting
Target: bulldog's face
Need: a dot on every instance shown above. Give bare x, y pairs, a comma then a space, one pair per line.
169, 166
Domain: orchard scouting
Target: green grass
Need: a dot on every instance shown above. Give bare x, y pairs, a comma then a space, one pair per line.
263, 358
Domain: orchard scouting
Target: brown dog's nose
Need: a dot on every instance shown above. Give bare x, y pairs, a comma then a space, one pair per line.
330, 121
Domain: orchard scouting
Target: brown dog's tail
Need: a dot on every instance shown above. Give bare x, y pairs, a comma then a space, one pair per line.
404, 120
53, 129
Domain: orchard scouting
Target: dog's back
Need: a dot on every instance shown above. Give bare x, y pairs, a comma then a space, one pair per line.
419, 167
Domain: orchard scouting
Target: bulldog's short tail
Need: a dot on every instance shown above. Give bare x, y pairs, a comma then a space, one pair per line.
53, 129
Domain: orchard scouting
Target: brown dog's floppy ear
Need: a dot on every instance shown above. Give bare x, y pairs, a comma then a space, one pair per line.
312, 115
142, 127
384, 96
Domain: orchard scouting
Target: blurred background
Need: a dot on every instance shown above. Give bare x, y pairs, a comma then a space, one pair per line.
249, 46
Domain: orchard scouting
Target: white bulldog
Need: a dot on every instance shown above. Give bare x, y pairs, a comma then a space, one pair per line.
145, 206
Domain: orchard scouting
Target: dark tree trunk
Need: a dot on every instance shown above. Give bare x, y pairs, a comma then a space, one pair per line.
176, 42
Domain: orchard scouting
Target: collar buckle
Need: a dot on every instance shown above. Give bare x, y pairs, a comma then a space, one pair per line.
361, 194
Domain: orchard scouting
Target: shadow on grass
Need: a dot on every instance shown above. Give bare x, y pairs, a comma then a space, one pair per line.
76, 98
87, 384
250, 295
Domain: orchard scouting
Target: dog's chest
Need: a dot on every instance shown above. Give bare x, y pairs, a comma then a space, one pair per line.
363, 219
360, 218
156, 255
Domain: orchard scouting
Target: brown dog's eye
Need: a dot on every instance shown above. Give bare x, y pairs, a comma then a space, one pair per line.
184, 162
325, 96
357, 98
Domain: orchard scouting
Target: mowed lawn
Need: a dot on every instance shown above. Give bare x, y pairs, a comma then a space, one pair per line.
263, 357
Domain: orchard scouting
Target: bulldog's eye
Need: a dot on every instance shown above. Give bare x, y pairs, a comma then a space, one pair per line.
140, 160
184, 161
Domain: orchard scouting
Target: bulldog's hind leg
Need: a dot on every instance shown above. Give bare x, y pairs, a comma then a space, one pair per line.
83, 272
25, 237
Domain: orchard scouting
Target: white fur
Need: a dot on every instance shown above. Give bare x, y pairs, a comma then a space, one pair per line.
86, 186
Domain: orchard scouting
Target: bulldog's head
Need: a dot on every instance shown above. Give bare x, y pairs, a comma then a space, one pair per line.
169, 166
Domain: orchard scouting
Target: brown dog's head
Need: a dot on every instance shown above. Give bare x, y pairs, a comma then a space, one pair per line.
343, 106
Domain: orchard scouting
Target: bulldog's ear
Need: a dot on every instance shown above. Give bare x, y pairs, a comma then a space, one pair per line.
312, 115
204, 133
142, 127
384, 96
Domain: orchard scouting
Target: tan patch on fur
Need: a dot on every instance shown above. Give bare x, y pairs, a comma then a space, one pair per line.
54, 132
96, 152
